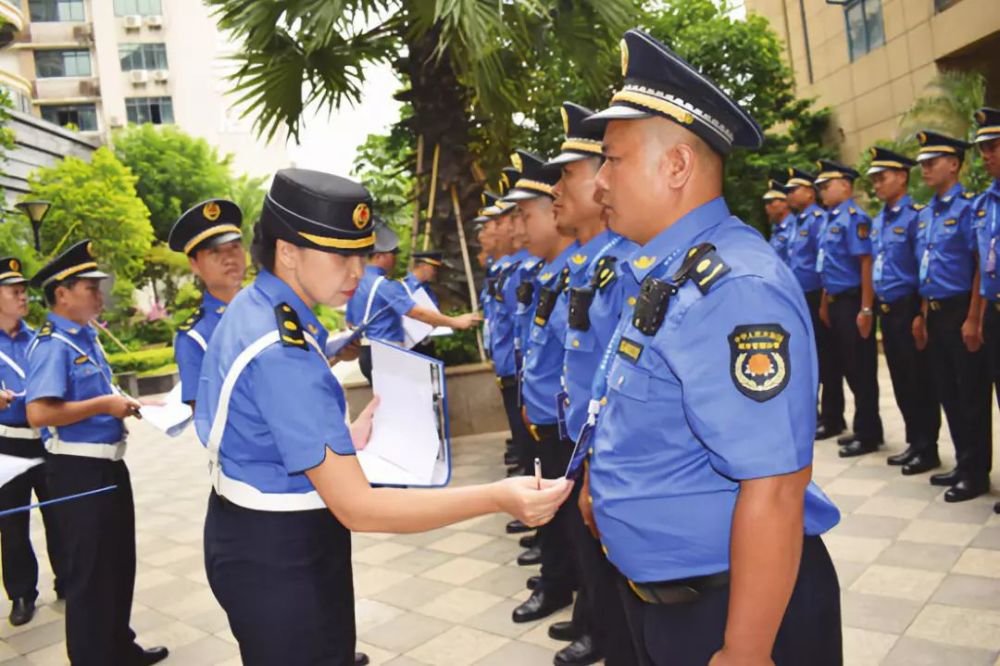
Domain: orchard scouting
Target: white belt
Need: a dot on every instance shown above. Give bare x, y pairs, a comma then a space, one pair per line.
11, 432
248, 497
60, 447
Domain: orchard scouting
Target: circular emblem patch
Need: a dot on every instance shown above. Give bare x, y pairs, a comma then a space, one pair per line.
565, 119
15, 265
362, 214
759, 362
624, 58
211, 211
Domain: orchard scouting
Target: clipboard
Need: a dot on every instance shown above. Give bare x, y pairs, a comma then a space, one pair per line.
411, 440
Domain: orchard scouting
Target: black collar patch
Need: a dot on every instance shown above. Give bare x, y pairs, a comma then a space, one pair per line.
759, 361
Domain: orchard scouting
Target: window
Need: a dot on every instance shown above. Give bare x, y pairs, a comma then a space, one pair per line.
142, 56
19, 100
56, 10
81, 116
141, 7
864, 27
155, 110
50, 64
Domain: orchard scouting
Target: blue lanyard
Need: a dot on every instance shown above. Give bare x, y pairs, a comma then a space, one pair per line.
600, 385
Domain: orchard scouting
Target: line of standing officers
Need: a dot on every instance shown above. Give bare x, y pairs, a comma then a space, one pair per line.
926, 275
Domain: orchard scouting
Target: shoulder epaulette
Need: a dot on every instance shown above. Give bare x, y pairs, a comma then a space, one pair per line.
703, 265
195, 317
289, 326
604, 271
46, 330
969, 195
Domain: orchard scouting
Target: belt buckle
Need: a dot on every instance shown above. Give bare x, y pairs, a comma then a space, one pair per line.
996, 306
639, 592
934, 305
830, 298
885, 308
533, 430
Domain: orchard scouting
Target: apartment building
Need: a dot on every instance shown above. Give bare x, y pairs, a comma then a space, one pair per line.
870, 59
99, 65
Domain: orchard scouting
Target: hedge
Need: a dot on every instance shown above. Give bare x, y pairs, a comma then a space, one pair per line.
143, 360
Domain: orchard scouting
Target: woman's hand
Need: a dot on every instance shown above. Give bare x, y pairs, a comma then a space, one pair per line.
361, 429
520, 497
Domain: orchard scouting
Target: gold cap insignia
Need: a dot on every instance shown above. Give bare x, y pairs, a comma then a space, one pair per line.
980, 117
922, 138
515, 160
819, 165
624, 58
361, 215
643, 262
565, 119
211, 211
15, 265
791, 171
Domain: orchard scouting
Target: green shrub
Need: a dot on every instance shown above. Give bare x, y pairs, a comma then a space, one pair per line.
142, 361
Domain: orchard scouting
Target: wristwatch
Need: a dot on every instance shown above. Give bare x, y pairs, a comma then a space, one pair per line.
868, 312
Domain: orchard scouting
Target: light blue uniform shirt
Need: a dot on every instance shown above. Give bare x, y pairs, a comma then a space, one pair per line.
286, 409
413, 283
946, 243
781, 235
523, 314
724, 390
584, 349
387, 325
502, 315
190, 345
57, 370
803, 244
894, 246
986, 219
845, 238
16, 349
543, 359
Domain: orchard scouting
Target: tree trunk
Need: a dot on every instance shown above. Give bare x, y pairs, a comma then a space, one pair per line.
441, 114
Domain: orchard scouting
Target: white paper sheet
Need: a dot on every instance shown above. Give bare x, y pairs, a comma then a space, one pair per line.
405, 441
172, 417
12, 467
417, 331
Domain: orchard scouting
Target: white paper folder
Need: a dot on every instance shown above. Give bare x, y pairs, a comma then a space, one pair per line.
409, 445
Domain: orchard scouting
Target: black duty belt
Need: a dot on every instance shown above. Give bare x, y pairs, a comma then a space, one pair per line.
938, 304
898, 304
843, 294
680, 591
995, 306
540, 432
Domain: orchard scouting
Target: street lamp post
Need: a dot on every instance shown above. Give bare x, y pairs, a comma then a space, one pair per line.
35, 211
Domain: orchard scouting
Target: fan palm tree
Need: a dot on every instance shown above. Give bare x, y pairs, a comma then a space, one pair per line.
466, 67
948, 104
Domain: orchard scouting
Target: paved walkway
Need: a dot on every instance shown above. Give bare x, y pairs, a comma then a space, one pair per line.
920, 578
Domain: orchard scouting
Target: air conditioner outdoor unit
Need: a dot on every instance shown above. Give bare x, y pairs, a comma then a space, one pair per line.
138, 76
133, 22
154, 21
161, 75
84, 33
90, 88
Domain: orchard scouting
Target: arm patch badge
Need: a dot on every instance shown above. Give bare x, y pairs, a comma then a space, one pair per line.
759, 362
863, 230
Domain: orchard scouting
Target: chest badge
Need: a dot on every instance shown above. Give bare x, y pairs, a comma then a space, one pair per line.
759, 362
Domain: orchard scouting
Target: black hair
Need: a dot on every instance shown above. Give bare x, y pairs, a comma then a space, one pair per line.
50, 289
262, 250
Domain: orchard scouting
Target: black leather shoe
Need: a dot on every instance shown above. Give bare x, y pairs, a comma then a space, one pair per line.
153, 655
21, 611
516, 527
945, 478
996, 508
901, 458
580, 652
541, 603
966, 490
530, 557
920, 463
528, 541
360, 659
824, 431
532, 582
857, 447
510, 458
563, 631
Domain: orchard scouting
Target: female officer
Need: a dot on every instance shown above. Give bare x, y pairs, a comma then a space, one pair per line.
287, 488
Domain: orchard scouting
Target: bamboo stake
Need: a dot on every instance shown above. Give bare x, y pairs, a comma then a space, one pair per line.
473, 297
430, 202
415, 230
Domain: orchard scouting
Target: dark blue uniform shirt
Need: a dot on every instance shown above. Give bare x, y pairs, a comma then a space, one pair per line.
781, 236
803, 244
894, 246
946, 243
986, 218
846, 236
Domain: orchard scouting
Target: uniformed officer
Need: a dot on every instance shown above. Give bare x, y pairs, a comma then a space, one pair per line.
986, 212
894, 237
540, 382
380, 302
844, 262
595, 303
71, 396
287, 488
423, 275
17, 438
780, 215
701, 463
803, 249
209, 234
952, 307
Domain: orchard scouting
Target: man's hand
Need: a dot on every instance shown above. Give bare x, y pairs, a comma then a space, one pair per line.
824, 312
864, 322
348, 353
465, 321
6, 397
121, 407
726, 658
919, 330
586, 504
972, 334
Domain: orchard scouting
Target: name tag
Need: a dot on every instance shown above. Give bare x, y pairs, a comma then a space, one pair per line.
630, 349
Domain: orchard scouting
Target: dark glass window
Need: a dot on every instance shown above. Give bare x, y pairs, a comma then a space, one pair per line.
142, 56
56, 10
81, 116
155, 110
50, 64
865, 30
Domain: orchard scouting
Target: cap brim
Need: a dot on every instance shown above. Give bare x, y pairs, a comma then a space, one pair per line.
569, 157
986, 138
13, 280
216, 241
617, 112
516, 195
876, 169
774, 197
923, 157
90, 275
